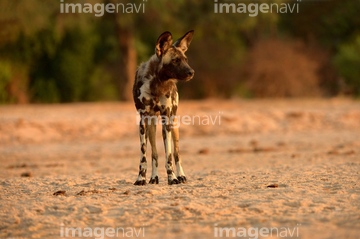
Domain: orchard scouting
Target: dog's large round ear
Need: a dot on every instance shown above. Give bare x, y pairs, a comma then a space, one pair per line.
163, 43
184, 42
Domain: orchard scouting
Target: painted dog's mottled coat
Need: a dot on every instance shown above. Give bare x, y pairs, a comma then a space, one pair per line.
155, 94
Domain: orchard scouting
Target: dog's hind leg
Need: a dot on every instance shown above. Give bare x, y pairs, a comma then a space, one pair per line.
154, 155
141, 180
175, 136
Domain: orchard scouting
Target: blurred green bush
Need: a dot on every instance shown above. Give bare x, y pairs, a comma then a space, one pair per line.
347, 62
5, 77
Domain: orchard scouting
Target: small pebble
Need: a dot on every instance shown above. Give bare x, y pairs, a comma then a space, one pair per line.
26, 174
61, 192
204, 151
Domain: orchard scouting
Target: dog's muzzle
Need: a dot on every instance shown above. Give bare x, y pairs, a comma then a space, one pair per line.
190, 75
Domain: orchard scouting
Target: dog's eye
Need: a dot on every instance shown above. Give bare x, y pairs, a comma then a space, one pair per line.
176, 60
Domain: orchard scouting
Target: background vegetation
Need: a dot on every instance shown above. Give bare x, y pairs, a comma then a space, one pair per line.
49, 57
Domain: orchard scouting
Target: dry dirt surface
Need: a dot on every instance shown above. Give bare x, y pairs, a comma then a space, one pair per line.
255, 169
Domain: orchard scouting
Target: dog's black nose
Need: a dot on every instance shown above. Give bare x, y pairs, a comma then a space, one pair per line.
191, 72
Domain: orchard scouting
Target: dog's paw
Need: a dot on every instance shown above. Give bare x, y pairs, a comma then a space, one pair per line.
141, 182
181, 179
173, 181
154, 180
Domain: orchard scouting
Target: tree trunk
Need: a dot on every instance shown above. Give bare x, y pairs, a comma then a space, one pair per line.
128, 52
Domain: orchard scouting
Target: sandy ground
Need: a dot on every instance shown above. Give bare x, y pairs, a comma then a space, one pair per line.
291, 165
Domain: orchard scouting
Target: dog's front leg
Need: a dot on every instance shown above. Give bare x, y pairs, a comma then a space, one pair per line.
154, 155
166, 133
141, 180
175, 137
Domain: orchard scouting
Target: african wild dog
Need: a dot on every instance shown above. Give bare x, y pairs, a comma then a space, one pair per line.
155, 94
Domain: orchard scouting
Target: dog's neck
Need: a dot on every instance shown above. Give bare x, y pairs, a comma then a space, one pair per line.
159, 87
160, 84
